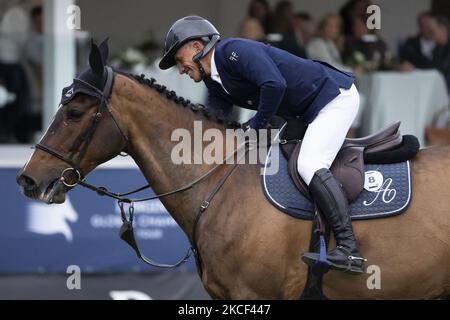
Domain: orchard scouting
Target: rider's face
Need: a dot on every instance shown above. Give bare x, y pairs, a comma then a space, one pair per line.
183, 58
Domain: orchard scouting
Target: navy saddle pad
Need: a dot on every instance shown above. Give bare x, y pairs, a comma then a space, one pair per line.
387, 190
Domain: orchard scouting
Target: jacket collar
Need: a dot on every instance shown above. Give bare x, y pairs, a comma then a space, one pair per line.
214, 72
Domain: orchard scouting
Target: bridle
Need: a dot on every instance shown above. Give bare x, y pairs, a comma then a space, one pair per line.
126, 231
83, 140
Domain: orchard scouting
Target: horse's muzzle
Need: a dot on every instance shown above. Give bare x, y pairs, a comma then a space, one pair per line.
51, 192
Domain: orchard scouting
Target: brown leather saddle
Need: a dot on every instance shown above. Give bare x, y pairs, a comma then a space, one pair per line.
348, 167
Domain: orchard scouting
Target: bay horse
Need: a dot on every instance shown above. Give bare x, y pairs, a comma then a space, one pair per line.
248, 249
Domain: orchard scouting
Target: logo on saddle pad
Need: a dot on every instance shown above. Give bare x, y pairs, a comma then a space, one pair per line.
375, 182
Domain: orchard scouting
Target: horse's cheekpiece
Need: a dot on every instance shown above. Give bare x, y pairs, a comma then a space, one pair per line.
386, 189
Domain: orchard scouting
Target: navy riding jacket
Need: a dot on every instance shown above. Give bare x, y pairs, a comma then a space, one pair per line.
272, 81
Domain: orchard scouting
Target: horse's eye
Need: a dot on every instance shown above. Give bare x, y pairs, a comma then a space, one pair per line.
74, 114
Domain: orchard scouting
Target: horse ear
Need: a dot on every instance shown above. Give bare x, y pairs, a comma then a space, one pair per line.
95, 60
104, 50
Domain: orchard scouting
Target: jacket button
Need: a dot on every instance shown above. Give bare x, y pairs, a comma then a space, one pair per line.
250, 102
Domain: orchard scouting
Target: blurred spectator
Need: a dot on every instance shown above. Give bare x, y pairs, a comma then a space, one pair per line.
35, 44
30, 120
353, 9
256, 23
303, 27
326, 46
365, 49
417, 52
284, 36
441, 53
284, 17
251, 29
13, 78
5, 96
430, 49
14, 29
258, 10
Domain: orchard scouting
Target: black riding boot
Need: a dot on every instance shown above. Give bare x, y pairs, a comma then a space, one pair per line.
329, 195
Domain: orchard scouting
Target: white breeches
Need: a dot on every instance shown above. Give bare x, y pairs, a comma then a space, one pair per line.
326, 134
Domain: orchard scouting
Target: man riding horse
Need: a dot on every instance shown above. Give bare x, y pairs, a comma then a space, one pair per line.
257, 76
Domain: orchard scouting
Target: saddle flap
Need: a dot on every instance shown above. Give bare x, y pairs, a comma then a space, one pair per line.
347, 168
293, 172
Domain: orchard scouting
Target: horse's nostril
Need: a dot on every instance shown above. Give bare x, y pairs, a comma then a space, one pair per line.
26, 182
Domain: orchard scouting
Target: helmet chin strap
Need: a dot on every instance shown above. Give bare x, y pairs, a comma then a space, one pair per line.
203, 74
203, 53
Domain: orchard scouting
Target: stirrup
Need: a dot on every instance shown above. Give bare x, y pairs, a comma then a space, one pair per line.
349, 254
311, 258
350, 267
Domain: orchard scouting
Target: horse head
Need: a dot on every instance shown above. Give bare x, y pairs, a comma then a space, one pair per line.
82, 135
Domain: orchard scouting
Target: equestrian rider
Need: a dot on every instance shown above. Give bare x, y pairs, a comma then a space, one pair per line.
257, 76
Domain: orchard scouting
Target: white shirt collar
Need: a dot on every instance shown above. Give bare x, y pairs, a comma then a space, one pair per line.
214, 73
427, 47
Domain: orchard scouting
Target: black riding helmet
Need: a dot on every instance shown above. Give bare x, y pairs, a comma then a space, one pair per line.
184, 30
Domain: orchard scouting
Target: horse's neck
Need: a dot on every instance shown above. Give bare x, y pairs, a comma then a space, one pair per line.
150, 121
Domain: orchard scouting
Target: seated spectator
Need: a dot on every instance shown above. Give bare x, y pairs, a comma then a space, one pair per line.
5, 96
13, 31
365, 49
353, 9
284, 36
35, 43
258, 21
15, 82
14, 28
417, 52
441, 53
30, 121
325, 47
252, 29
303, 27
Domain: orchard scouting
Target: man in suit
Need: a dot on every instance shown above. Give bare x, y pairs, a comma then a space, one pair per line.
441, 53
256, 76
417, 51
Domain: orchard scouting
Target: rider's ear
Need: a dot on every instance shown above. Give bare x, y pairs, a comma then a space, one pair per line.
95, 60
199, 49
104, 50
197, 45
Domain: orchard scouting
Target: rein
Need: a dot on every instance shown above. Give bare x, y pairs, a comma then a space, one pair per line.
127, 231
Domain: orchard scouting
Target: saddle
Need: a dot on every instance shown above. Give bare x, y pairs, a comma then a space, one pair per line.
348, 167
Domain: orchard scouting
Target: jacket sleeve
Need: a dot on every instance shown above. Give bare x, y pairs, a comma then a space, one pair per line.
252, 62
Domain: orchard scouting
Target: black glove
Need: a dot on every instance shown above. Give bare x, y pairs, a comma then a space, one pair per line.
246, 126
263, 138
